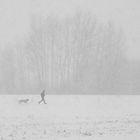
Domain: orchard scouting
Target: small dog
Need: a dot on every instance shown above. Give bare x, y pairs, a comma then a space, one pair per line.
23, 101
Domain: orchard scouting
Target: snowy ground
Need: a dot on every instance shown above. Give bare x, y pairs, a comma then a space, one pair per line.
70, 118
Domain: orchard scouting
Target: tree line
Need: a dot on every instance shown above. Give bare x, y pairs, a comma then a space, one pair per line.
76, 54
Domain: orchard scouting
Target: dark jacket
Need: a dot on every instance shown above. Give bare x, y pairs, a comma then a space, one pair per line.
43, 93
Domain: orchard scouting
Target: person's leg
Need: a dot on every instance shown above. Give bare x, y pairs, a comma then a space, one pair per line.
44, 101
40, 101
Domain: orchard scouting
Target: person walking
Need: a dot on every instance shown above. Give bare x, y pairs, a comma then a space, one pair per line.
42, 97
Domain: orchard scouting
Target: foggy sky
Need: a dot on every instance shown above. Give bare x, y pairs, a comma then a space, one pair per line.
15, 17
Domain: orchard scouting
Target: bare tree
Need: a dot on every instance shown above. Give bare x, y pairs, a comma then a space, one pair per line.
61, 51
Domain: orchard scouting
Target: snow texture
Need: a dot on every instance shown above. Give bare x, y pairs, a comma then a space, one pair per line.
70, 118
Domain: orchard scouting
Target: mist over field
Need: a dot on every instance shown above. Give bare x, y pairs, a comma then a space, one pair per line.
80, 51
74, 48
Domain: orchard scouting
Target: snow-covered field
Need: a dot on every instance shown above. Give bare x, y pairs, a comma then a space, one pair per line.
70, 117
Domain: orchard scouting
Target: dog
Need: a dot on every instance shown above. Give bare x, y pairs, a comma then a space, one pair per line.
23, 101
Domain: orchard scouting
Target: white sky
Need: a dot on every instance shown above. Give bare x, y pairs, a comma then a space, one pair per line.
14, 17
